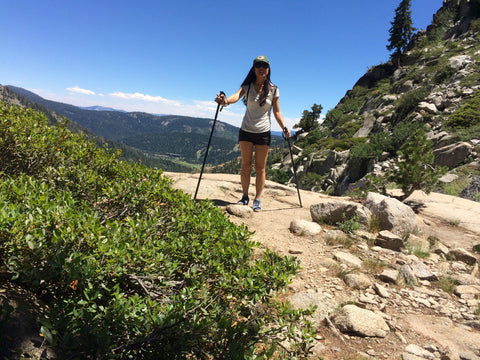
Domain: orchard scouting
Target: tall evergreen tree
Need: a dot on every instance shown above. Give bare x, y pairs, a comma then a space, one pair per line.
401, 31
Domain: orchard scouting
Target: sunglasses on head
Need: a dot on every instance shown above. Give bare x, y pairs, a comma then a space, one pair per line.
261, 64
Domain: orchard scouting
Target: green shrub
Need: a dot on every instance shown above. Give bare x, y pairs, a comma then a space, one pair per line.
129, 267
347, 129
468, 115
447, 283
379, 143
339, 144
408, 102
351, 104
444, 75
311, 181
279, 176
403, 131
350, 225
332, 118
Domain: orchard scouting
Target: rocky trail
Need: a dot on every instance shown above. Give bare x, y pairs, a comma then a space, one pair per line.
397, 304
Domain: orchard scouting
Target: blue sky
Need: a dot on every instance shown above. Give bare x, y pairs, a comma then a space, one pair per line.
172, 57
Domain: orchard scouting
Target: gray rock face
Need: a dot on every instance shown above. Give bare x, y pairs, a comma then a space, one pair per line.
452, 155
357, 281
472, 189
460, 61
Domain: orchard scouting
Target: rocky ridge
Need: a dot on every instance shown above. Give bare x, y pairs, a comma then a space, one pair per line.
444, 72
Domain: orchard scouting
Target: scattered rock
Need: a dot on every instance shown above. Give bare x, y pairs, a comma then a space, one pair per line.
388, 240
303, 227
381, 291
348, 259
240, 210
448, 178
389, 276
422, 272
353, 320
452, 155
418, 351
417, 243
408, 275
427, 107
463, 255
357, 281
460, 61
303, 300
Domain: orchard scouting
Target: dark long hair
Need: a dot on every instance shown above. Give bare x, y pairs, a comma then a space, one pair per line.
250, 78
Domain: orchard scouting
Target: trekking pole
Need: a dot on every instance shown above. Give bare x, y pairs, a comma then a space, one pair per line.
208, 146
294, 171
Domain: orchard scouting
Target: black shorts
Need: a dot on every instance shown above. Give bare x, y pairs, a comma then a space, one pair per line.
255, 138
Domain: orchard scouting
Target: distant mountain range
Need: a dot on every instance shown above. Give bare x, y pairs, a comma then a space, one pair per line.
100, 108
180, 138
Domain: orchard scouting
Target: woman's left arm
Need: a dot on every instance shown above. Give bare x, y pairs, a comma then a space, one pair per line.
279, 117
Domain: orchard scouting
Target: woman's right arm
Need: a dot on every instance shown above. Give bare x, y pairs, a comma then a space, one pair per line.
232, 99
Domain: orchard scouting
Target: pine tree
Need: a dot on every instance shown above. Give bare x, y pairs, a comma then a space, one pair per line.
401, 31
309, 120
414, 166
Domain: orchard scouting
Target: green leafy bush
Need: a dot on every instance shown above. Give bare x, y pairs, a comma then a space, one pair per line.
379, 143
468, 115
403, 131
129, 267
339, 144
311, 181
332, 118
279, 176
408, 102
350, 225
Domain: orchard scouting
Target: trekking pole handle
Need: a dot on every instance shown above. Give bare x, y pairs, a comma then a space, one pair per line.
222, 93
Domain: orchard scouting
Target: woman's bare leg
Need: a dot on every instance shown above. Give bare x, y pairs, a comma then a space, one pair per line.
246, 149
261, 154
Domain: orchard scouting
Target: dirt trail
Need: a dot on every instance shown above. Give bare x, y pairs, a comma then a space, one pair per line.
452, 220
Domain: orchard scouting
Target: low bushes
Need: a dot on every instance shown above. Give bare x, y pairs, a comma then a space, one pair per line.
129, 267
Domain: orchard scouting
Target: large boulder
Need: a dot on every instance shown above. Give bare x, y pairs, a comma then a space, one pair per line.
323, 164
356, 321
460, 61
391, 214
303, 300
452, 155
303, 227
333, 212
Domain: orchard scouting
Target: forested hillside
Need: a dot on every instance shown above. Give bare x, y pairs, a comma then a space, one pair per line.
168, 136
127, 153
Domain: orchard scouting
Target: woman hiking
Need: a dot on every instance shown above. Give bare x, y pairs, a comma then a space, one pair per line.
260, 96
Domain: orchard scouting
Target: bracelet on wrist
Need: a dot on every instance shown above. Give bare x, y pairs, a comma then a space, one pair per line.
285, 129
